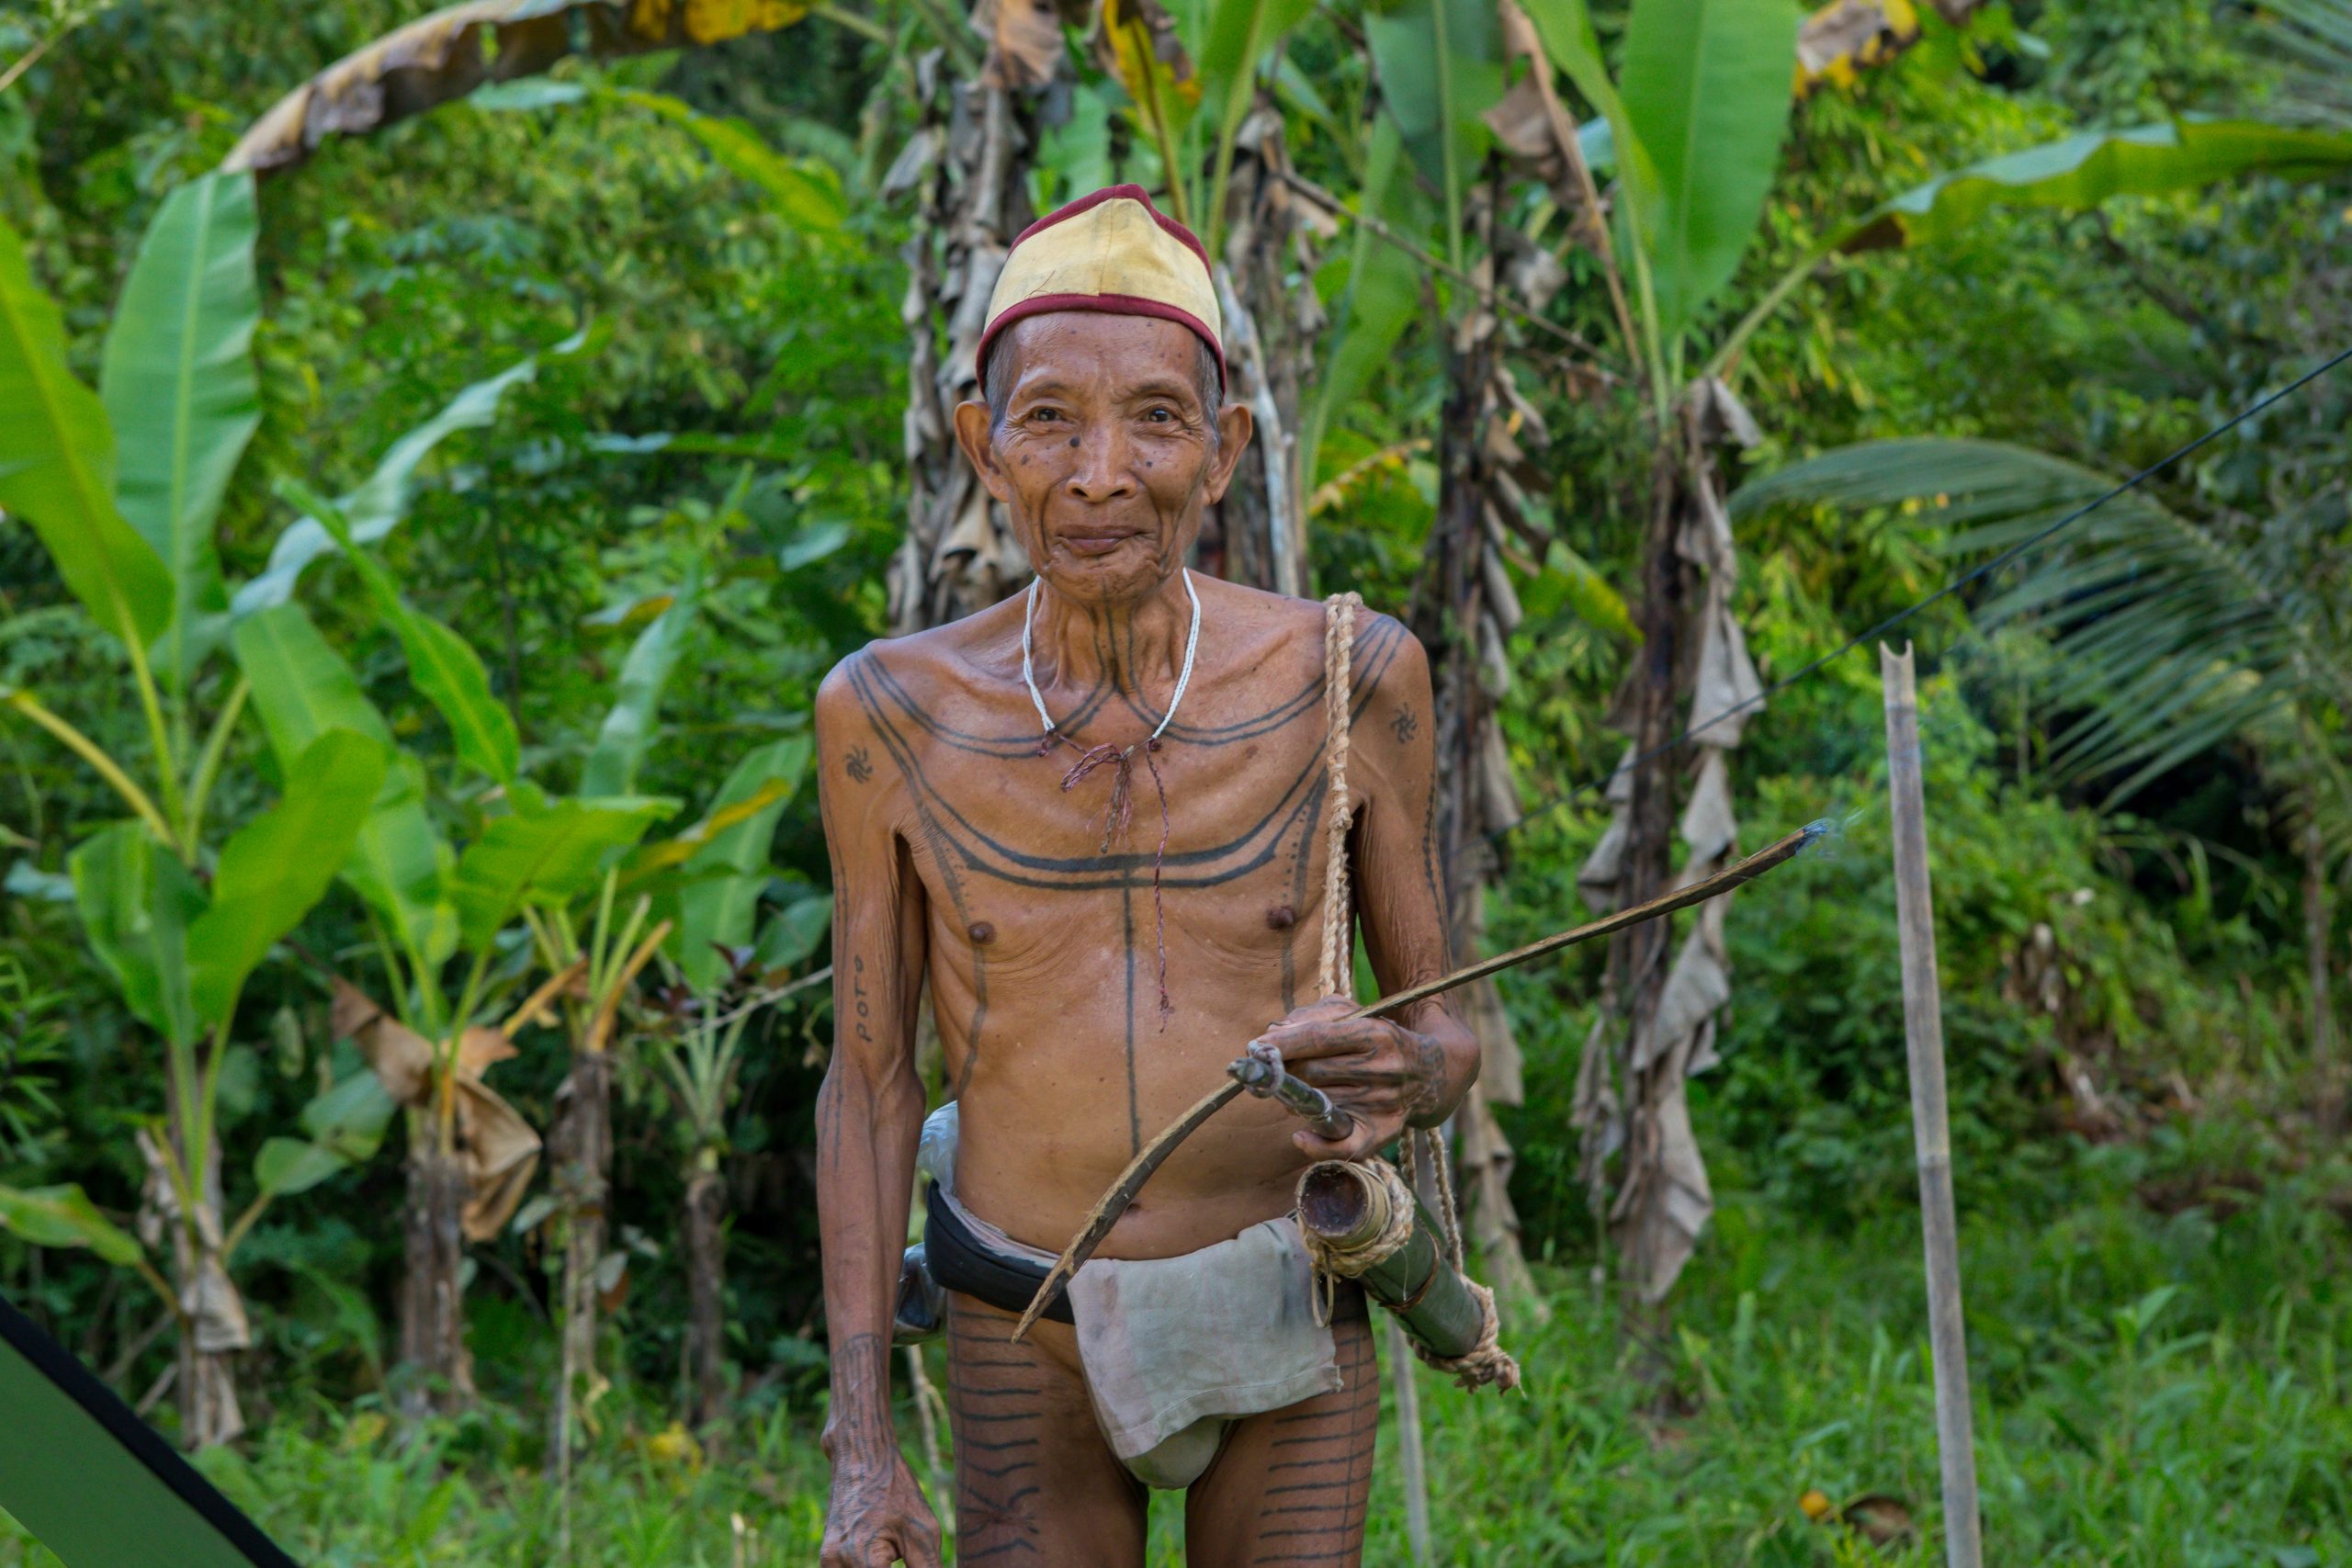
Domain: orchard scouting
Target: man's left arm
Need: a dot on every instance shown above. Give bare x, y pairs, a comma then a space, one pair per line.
1412, 1070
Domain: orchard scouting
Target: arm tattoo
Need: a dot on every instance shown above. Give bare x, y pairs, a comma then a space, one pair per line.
1405, 725
860, 767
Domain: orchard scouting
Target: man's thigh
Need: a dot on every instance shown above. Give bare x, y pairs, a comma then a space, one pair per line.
1034, 1481
1290, 1485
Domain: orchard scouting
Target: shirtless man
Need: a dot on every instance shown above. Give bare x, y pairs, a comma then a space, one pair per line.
960, 859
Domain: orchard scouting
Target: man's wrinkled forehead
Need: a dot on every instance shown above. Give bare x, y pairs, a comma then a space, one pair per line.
1062, 350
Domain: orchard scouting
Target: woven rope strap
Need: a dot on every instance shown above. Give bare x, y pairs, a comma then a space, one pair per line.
1337, 975
1485, 1362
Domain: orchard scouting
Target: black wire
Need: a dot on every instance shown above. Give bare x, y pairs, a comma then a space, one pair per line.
1949, 589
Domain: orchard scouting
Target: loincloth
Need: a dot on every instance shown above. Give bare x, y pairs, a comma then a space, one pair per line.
1172, 1349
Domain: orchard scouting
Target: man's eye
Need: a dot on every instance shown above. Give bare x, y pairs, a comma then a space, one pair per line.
1160, 416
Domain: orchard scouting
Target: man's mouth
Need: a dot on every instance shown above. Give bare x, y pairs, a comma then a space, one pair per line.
1098, 541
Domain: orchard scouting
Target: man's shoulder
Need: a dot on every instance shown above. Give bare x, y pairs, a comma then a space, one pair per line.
1287, 619
1288, 626
953, 653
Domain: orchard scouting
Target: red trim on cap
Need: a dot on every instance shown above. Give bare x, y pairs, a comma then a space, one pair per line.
1116, 193
1106, 304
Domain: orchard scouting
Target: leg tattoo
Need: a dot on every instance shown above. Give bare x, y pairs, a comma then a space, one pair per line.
1292, 1485
1035, 1484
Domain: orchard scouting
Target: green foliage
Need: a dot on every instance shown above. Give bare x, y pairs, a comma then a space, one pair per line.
446, 670
544, 851
278, 865
806, 191
179, 389
302, 689
137, 903
2080, 171
57, 472
1440, 66
728, 873
1706, 89
64, 1216
373, 510
628, 729
2171, 638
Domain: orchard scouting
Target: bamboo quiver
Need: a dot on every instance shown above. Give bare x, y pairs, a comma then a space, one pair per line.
1362, 1223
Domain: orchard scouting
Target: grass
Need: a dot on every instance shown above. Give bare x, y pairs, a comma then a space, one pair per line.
2159, 1353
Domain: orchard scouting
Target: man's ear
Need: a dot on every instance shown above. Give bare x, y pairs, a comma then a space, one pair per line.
972, 435
1234, 424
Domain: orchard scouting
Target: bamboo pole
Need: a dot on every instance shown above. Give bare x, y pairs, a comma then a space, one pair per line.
1409, 1461
1923, 1030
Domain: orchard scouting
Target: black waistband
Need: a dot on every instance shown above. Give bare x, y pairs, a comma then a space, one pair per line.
961, 1261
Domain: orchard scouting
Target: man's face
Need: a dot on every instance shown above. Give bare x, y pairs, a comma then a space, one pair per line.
1106, 452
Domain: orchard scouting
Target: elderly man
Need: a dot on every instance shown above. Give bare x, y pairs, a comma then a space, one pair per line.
1094, 818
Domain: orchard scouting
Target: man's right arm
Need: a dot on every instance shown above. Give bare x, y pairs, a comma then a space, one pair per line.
869, 1118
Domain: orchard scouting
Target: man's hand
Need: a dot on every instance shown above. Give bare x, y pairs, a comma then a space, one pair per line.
1378, 1072
877, 1517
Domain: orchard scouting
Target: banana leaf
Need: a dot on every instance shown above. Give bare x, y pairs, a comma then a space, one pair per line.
1706, 84
1442, 69
628, 729
441, 664
717, 904
301, 689
57, 465
443, 56
137, 903
177, 381
2078, 171
552, 853
278, 865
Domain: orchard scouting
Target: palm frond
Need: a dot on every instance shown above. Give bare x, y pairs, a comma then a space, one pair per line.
2313, 38
2171, 637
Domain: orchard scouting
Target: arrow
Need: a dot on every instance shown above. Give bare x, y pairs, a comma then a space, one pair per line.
1250, 1073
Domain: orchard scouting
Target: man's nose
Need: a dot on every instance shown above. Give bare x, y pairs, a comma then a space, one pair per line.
1100, 472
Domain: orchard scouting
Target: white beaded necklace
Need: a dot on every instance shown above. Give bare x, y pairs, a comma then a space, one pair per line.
1183, 675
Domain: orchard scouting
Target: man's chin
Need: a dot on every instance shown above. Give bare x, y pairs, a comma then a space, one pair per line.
1114, 568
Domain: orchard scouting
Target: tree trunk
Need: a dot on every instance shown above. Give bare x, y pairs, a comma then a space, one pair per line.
1463, 611
581, 1143
1258, 534
211, 1314
432, 1300
1637, 956
967, 167
706, 1287
1690, 644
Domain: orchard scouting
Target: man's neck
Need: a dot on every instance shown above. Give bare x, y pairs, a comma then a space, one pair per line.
1133, 645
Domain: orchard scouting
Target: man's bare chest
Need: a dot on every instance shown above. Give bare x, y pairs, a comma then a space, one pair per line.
1229, 804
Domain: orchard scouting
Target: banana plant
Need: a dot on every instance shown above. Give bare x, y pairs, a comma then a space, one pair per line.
123, 486
721, 980
678, 889
1695, 116
437, 914
609, 949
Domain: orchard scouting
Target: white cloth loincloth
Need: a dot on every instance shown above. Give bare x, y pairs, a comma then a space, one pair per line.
1175, 1349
